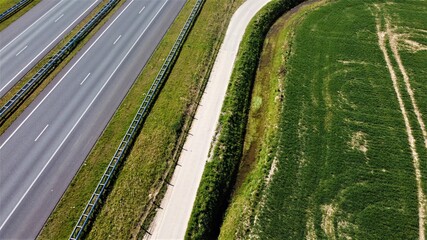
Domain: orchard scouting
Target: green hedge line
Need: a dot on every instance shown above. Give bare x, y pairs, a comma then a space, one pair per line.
220, 173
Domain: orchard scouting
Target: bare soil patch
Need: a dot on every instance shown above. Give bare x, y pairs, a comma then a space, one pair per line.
415, 46
359, 142
329, 211
393, 40
382, 37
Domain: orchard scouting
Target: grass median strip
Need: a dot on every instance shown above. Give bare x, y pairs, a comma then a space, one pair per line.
261, 140
154, 149
6, 4
44, 72
24, 104
133, 130
342, 166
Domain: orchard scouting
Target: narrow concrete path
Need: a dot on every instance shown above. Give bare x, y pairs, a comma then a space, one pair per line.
172, 218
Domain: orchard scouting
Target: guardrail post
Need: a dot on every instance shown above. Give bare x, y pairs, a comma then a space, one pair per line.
136, 123
42, 74
14, 9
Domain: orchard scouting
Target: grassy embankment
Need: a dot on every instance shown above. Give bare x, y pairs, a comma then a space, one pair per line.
342, 164
154, 151
263, 119
220, 172
12, 117
6, 4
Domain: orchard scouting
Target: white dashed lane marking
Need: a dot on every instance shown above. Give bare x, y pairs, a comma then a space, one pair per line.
44, 129
85, 79
21, 50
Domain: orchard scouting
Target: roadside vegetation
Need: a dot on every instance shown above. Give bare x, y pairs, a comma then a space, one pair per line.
346, 85
126, 211
261, 139
3, 100
220, 172
6, 4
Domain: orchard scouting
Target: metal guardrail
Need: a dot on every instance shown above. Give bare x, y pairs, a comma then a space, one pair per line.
14, 9
53, 62
140, 116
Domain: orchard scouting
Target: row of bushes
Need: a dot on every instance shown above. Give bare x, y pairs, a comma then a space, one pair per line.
220, 173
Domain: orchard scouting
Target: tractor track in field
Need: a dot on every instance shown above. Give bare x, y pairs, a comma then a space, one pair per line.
393, 40
383, 36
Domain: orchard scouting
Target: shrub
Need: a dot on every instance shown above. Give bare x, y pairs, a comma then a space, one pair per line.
220, 173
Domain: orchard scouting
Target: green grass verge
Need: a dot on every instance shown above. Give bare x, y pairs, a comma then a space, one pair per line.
6, 4
344, 166
261, 133
220, 172
13, 116
123, 213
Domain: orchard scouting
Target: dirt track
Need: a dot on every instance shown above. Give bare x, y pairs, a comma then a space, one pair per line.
383, 36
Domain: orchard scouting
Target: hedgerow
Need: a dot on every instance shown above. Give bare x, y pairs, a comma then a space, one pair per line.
220, 172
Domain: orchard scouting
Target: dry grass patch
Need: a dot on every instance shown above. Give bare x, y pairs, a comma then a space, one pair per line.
124, 213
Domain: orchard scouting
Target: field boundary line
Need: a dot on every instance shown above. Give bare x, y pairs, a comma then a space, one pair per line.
415, 157
393, 45
13, 103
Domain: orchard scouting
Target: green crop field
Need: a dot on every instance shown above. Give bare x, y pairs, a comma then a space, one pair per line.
348, 156
6, 4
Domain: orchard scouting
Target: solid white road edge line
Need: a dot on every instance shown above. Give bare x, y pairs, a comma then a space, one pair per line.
45, 48
85, 79
80, 118
72, 67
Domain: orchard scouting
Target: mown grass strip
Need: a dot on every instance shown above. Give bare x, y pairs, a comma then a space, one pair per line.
124, 212
219, 175
14, 9
24, 104
6, 4
261, 140
14, 102
134, 128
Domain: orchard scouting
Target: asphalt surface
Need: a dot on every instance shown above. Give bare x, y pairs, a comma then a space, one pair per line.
174, 213
33, 35
42, 150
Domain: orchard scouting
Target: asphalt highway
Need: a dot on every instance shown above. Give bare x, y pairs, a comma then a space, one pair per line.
32, 36
43, 149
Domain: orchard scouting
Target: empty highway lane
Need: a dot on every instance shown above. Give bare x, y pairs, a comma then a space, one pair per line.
42, 150
32, 36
